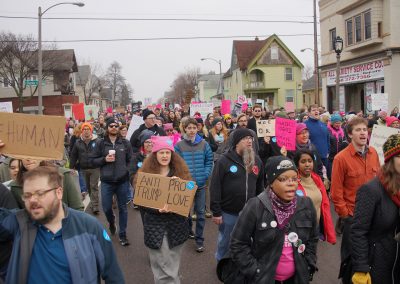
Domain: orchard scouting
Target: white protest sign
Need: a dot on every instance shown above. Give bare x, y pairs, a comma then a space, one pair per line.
136, 121
260, 102
266, 128
6, 107
379, 136
202, 108
379, 101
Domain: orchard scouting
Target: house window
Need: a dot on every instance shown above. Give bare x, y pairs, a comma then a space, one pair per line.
289, 74
289, 96
332, 38
357, 21
274, 53
6, 83
349, 31
379, 29
367, 25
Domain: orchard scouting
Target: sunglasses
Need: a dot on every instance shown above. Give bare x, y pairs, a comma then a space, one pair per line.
113, 126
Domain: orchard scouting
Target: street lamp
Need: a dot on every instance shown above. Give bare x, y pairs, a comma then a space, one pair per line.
221, 86
40, 62
316, 75
338, 50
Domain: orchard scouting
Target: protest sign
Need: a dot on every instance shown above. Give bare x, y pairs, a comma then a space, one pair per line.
260, 102
379, 101
6, 107
285, 130
245, 106
155, 191
289, 106
202, 108
136, 107
109, 110
91, 112
225, 107
38, 137
136, 121
237, 109
379, 136
147, 101
266, 128
120, 109
78, 111
242, 99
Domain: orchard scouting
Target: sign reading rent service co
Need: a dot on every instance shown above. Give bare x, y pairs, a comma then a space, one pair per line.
355, 73
156, 191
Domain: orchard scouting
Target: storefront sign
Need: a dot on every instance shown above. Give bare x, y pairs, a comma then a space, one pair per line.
356, 73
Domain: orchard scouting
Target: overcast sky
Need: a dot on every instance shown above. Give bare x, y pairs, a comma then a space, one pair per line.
150, 66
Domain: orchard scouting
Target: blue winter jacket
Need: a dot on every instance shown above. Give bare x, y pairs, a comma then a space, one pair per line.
88, 248
319, 136
199, 158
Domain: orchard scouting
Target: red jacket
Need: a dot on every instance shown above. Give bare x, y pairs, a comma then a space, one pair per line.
328, 229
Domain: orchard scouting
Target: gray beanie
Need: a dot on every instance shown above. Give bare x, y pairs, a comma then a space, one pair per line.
145, 135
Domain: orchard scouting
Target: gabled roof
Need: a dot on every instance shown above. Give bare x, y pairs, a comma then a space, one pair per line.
83, 74
246, 50
63, 59
249, 51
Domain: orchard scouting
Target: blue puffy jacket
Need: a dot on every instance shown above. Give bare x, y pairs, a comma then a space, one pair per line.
199, 158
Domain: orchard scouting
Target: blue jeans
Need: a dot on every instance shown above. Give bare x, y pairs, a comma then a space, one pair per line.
82, 182
200, 210
121, 191
224, 235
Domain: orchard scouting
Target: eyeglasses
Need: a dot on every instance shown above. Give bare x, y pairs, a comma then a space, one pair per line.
86, 129
248, 138
113, 126
151, 117
148, 142
38, 194
257, 110
242, 121
287, 179
170, 130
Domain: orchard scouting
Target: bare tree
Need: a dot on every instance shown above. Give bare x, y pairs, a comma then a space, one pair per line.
114, 79
126, 94
308, 72
183, 87
18, 62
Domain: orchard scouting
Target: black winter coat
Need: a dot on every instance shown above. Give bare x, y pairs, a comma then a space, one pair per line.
117, 171
82, 154
135, 142
256, 248
136, 164
375, 223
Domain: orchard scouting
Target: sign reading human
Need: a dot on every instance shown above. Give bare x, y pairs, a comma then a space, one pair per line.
285, 130
156, 191
38, 137
266, 128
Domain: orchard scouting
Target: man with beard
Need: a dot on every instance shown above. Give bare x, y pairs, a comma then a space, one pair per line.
82, 155
114, 154
149, 123
54, 243
238, 175
242, 123
252, 123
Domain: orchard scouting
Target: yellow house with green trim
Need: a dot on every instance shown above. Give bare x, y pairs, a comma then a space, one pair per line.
264, 70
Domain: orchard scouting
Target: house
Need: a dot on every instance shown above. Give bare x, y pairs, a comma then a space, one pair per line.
207, 86
264, 70
370, 60
58, 87
308, 89
88, 86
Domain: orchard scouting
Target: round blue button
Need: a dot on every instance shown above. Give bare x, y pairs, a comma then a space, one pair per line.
233, 169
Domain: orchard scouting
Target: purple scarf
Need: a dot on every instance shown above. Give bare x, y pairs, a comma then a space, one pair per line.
283, 211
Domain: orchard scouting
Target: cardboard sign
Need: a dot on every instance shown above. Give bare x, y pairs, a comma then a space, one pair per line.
136, 121
379, 136
39, 137
266, 128
289, 106
6, 107
237, 109
78, 111
155, 191
225, 107
91, 112
242, 99
285, 130
379, 101
203, 108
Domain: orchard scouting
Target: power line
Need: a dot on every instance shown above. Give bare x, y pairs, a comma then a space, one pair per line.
161, 19
165, 38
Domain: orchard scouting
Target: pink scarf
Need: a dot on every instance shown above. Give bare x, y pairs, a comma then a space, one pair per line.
338, 133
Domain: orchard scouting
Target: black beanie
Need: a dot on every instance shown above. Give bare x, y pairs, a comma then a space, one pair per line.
238, 134
216, 120
111, 120
276, 166
146, 113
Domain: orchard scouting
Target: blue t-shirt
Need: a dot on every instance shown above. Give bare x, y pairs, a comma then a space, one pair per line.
49, 263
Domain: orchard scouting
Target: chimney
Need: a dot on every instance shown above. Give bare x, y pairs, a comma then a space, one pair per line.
256, 38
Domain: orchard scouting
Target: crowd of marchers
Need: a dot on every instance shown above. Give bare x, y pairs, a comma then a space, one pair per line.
272, 205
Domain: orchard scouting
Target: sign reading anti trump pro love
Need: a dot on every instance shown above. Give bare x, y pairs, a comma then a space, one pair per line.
156, 191
38, 137
285, 130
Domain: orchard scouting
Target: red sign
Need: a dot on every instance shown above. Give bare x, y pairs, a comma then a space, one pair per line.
79, 111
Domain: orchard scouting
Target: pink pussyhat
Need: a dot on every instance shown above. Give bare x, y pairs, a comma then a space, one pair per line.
162, 142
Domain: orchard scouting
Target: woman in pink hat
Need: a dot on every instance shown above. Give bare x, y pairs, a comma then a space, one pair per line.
165, 232
392, 121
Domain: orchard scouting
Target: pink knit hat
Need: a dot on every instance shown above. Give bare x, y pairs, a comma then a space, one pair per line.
162, 142
168, 126
390, 120
300, 127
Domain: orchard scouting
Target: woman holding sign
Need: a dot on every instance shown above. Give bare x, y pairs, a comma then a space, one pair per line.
164, 231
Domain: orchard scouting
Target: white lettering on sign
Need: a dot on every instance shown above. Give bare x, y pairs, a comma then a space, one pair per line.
355, 73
